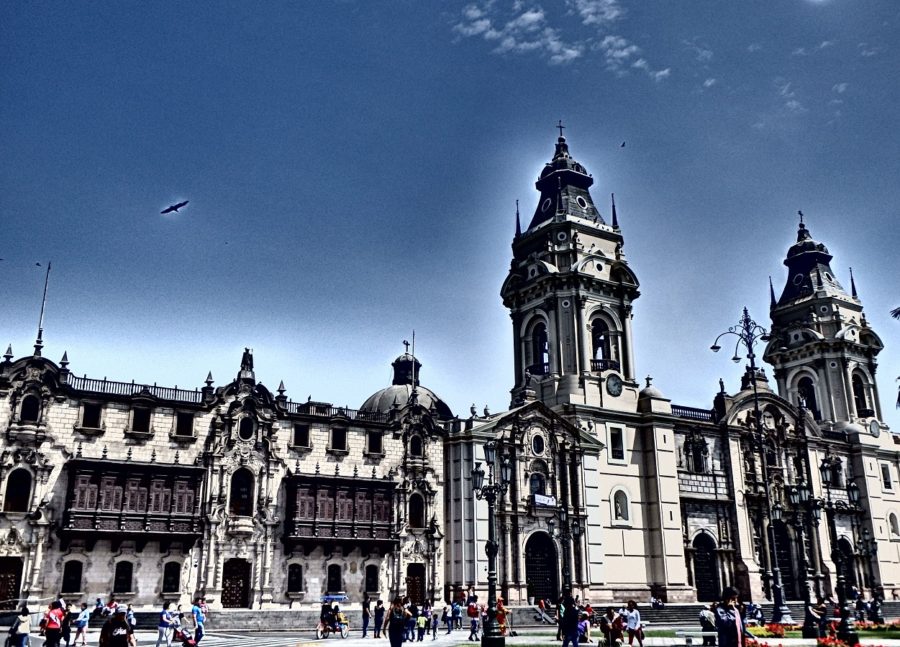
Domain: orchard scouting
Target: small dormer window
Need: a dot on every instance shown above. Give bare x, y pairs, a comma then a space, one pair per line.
140, 420
90, 415
339, 439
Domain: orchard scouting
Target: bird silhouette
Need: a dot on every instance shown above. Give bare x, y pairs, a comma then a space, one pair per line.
623, 145
174, 207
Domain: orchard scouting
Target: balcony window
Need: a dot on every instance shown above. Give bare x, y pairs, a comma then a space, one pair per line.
30, 411
301, 435
172, 577
122, 583
90, 415
184, 424
338, 439
416, 511
140, 420
375, 441
18, 491
241, 501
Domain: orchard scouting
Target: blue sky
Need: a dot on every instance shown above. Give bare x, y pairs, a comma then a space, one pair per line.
352, 170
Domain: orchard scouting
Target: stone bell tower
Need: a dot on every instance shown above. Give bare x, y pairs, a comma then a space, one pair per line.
822, 347
570, 293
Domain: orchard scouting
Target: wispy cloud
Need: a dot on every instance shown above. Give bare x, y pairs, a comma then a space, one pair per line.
803, 51
598, 12
867, 50
840, 88
525, 31
522, 27
754, 47
786, 92
708, 83
701, 53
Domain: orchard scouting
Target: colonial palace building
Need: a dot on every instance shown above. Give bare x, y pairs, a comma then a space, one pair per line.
254, 500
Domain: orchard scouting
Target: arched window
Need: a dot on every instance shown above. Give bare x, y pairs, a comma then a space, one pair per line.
241, 504
31, 409
415, 446
620, 510
122, 581
807, 390
540, 350
859, 395
71, 582
18, 491
537, 483
416, 511
600, 339
895, 526
295, 578
335, 584
246, 428
372, 579
172, 577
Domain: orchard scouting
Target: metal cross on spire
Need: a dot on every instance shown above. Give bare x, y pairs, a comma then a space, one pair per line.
560, 126
801, 216
406, 344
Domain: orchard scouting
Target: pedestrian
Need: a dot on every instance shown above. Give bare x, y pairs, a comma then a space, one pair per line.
447, 618
21, 628
421, 625
366, 614
199, 620
81, 624
633, 624
395, 622
707, 619
52, 622
116, 631
65, 631
434, 624
411, 622
729, 621
164, 626
472, 612
568, 624
129, 616
379, 619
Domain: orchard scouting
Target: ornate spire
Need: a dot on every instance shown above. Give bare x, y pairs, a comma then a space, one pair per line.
518, 221
9, 354
64, 362
853, 285
772, 301
615, 216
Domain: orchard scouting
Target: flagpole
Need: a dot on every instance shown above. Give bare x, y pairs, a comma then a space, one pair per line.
39, 342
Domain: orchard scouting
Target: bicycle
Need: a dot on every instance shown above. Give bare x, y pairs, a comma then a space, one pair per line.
324, 630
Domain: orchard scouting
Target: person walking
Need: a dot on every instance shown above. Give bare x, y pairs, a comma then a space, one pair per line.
199, 620
434, 624
164, 626
379, 619
53, 621
116, 631
21, 628
568, 623
472, 612
81, 624
447, 618
729, 621
707, 619
395, 622
366, 614
633, 624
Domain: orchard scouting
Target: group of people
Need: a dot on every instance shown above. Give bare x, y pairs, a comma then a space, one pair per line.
575, 621
60, 618
405, 621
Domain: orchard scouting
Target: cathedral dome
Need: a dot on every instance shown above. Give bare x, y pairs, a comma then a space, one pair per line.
406, 379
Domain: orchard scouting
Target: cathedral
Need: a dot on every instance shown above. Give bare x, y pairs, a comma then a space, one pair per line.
787, 481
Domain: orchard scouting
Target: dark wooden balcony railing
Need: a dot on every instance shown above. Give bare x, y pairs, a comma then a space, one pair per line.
109, 387
599, 365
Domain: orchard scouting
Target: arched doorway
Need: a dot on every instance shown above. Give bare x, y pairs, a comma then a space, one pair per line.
784, 552
10, 582
849, 565
706, 568
541, 567
236, 584
415, 583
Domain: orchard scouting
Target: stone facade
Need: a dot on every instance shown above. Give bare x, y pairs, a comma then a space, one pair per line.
256, 501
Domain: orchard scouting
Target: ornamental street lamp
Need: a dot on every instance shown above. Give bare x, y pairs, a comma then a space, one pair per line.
869, 550
490, 635
831, 474
748, 332
799, 498
565, 532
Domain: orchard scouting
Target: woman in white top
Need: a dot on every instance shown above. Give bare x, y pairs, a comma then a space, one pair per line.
633, 624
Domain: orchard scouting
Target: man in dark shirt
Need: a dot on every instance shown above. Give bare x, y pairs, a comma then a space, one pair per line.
116, 632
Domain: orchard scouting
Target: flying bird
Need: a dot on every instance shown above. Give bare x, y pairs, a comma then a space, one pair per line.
623, 145
174, 207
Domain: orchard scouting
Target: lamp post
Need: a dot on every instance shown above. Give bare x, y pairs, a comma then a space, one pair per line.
831, 474
565, 532
799, 498
870, 552
490, 635
748, 332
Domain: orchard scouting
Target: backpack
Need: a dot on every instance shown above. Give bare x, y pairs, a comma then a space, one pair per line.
397, 620
472, 611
